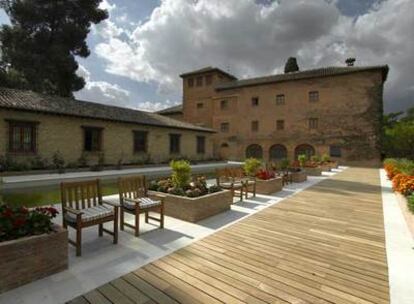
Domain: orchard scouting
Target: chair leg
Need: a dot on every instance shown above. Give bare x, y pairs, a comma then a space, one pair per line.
241, 194
78, 241
146, 217
137, 222
254, 190
247, 191
122, 219
100, 230
162, 216
116, 226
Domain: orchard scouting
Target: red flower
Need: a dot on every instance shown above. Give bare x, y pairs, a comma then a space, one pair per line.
18, 222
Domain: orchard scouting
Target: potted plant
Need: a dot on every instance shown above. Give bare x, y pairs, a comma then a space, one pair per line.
251, 166
189, 198
31, 246
267, 182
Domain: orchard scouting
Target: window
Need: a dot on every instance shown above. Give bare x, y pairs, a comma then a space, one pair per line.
280, 99
201, 144
255, 101
140, 141
313, 96
22, 137
313, 123
92, 139
199, 81
175, 143
280, 125
335, 151
225, 127
255, 126
190, 82
200, 105
224, 104
209, 79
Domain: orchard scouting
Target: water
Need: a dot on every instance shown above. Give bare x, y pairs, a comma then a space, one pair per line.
49, 195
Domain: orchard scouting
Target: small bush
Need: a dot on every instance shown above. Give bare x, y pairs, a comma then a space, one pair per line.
17, 222
403, 183
410, 202
325, 158
284, 164
58, 161
181, 174
315, 158
214, 189
302, 159
251, 166
265, 174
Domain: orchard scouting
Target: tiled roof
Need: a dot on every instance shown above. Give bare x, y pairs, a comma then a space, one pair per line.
171, 110
35, 102
322, 72
208, 69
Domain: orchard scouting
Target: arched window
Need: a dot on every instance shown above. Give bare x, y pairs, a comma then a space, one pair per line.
277, 152
255, 151
224, 145
306, 149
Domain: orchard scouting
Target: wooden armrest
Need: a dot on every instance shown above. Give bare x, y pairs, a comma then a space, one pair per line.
71, 210
113, 204
160, 195
131, 200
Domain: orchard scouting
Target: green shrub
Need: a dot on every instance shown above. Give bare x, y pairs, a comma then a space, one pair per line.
325, 158
214, 189
181, 173
284, 164
251, 166
315, 158
58, 161
410, 202
302, 158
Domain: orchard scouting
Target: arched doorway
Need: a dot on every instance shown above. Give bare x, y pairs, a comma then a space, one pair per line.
306, 149
277, 152
254, 151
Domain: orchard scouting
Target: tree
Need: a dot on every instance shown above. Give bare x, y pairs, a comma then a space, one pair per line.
291, 65
40, 45
399, 135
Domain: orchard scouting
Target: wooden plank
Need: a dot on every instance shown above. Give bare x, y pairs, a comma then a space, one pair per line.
134, 294
95, 297
78, 300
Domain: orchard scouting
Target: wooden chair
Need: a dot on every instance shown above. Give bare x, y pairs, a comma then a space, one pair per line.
225, 180
249, 182
133, 197
82, 206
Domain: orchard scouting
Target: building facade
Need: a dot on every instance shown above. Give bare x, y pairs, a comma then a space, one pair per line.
34, 127
335, 111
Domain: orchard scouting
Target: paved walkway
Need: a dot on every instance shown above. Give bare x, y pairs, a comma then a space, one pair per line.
323, 245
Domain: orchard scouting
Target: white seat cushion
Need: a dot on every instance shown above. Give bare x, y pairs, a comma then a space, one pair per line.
144, 203
92, 213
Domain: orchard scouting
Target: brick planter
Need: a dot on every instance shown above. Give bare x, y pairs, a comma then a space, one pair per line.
31, 258
325, 167
194, 209
299, 177
312, 171
269, 186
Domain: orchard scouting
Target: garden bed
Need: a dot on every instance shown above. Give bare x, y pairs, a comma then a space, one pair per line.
269, 186
27, 259
299, 177
408, 215
325, 167
317, 171
194, 209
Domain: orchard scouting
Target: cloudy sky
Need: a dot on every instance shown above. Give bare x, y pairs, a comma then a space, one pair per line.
138, 53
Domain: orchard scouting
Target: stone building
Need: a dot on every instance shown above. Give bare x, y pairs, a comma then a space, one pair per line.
333, 110
35, 126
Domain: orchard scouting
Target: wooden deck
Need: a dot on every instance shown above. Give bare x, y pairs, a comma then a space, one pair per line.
324, 245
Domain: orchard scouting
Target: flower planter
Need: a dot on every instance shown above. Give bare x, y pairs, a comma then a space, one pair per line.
194, 209
299, 177
31, 258
269, 186
309, 171
325, 167
408, 216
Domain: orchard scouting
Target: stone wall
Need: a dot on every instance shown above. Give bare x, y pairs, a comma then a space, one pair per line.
65, 134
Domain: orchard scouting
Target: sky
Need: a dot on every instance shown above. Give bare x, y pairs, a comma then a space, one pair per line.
138, 53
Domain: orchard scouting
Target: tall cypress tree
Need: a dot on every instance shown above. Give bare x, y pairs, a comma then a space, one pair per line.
42, 41
291, 65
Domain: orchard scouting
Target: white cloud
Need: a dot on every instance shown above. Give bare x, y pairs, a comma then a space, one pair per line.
105, 4
253, 39
102, 91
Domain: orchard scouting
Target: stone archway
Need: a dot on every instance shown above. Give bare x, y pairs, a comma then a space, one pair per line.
254, 151
277, 152
306, 149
